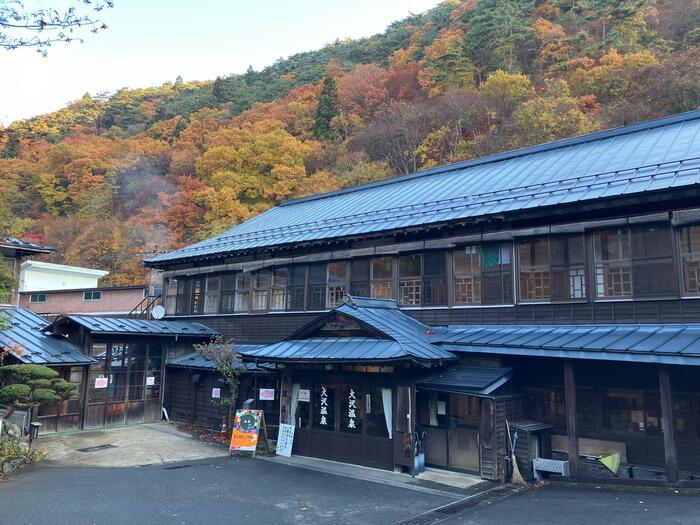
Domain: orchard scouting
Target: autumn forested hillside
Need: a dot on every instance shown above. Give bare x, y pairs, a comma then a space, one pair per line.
110, 177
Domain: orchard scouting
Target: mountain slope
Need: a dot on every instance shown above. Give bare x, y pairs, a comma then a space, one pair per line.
111, 177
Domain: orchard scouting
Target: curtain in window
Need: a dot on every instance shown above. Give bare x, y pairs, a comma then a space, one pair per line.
294, 402
432, 408
386, 402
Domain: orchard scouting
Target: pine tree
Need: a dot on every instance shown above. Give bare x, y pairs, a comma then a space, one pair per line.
327, 109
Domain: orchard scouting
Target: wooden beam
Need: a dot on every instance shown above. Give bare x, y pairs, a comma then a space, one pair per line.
571, 426
667, 424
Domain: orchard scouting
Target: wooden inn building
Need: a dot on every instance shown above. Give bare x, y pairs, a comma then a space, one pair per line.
556, 288
557, 284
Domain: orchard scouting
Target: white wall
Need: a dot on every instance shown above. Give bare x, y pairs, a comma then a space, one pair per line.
36, 276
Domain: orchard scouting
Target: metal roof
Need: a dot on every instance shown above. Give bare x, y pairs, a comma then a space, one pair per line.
464, 379
124, 326
26, 339
656, 155
384, 315
405, 338
358, 349
640, 343
19, 244
197, 360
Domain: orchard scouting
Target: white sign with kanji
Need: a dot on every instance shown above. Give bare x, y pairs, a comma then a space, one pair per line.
285, 440
323, 420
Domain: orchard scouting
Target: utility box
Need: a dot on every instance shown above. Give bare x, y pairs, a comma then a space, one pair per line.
534, 441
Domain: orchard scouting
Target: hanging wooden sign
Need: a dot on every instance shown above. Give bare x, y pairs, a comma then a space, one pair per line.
248, 427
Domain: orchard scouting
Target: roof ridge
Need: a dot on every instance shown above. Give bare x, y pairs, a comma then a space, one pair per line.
510, 154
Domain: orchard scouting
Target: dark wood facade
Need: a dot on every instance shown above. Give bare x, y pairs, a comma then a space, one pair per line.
628, 259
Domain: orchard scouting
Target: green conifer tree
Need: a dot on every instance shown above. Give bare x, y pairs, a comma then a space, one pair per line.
327, 109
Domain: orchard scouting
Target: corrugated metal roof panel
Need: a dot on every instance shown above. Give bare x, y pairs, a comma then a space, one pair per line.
330, 349
120, 325
19, 244
26, 339
652, 156
653, 343
464, 379
197, 360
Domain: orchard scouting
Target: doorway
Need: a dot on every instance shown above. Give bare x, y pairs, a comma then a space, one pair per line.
124, 384
450, 426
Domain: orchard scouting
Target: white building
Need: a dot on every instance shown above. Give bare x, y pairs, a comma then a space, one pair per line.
41, 276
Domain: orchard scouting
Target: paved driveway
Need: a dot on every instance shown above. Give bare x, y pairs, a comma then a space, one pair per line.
219, 490
125, 447
568, 504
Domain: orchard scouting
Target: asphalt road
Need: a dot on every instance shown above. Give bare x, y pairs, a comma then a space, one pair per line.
564, 504
213, 491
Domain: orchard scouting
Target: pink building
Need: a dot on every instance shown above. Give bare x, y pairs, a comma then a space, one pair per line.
109, 301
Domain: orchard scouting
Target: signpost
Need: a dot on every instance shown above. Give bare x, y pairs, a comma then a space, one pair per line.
285, 440
247, 427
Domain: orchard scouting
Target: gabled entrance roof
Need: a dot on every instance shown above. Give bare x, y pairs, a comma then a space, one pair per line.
360, 330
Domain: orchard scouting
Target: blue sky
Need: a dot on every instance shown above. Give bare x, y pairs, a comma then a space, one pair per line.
152, 41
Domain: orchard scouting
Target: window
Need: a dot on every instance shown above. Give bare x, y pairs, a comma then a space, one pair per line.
278, 296
182, 300
623, 410
567, 259
652, 260
634, 262
198, 294
375, 399
548, 406
552, 268
337, 282
497, 273
434, 284
359, 278
242, 303
211, 296
228, 293
382, 278
37, 298
410, 279
88, 296
295, 288
316, 289
302, 416
170, 295
681, 416
690, 259
613, 265
533, 258
261, 289
467, 275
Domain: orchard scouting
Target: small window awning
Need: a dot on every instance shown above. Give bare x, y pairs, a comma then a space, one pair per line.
464, 379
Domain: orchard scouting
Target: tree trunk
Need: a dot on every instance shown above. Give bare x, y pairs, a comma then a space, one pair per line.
11, 410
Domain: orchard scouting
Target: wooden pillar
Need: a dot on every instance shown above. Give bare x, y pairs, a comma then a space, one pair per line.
667, 424
571, 426
286, 397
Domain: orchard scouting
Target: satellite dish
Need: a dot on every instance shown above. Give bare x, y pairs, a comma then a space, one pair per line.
158, 312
